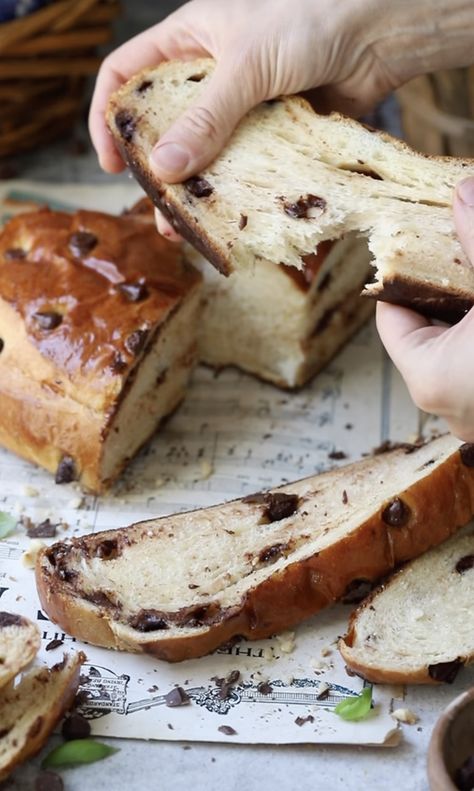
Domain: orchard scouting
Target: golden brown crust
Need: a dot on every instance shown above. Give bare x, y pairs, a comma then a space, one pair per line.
425, 298
82, 297
45, 724
440, 503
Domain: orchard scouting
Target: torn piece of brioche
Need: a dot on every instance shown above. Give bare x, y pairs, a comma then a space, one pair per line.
417, 628
97, 340
180, 586
289, 179
31, 710
277, 322
20, 640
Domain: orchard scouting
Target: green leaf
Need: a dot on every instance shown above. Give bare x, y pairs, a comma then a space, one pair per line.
357, 707
7, 524
77, 751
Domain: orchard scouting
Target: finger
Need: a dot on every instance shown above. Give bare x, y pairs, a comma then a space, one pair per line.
403, 332
165, 229
196, 138
147, 49
463, 207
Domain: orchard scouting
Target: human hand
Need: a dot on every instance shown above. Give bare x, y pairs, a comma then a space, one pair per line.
437, 362
352, 51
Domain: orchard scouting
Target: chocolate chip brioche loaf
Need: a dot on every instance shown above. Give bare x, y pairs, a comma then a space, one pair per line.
418, 627
179, 586
289, 179
278, 322
97, 340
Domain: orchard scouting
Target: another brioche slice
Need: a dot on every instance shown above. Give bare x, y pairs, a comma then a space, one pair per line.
30, 711
418, 627
290, 178
180, 586
20, 640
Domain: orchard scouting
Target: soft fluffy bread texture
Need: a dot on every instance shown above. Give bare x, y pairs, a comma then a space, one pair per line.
20, 640
420, 619
179, 586
97, 333
290, 178
277, 322
31, 710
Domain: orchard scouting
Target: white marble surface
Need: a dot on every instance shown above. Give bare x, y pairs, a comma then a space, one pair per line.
180, 767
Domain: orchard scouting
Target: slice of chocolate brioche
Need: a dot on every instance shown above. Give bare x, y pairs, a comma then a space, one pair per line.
418, 627
20, 640
180, 586
30, 711
97, 340
289, 179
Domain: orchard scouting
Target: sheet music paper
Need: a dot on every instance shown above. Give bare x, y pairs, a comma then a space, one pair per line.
233, 435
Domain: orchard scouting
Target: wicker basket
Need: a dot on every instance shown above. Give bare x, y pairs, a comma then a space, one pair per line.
438, 112
44, 61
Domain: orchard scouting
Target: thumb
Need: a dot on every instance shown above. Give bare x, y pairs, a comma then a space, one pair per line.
463, 207
197, 137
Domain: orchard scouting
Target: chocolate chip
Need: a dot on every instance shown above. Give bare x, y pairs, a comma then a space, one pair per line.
4, 732
337, 455
299, 209
281, 506
81, 243
134, 292
66, 471
227, 730
243, 222
10, 619
264, 688
465, 563
148, 621
192, 586
108, 549
143, 87
118, 364
396, 513
195, 77
233, 677
272, 553
198, 187
345, 498
445, 671
136, 341
75, 726
302, 720
2, 344
54, 644
49, 781
125, 123
44, 529
467, 454
15, 254
177, 697
356, 591
464, 775
278, 504
48, 319
99, 598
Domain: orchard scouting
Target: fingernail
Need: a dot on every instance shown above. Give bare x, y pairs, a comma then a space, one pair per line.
169, 157
465, 190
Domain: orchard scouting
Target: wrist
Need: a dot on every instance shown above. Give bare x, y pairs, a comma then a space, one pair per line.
413, 38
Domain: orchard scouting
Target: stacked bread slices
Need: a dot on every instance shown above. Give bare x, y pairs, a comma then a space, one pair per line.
32, 702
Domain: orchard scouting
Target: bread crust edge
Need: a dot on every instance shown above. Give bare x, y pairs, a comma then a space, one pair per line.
441, 503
